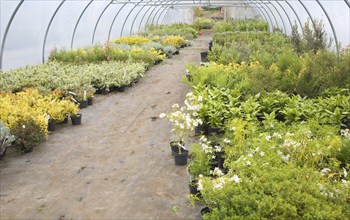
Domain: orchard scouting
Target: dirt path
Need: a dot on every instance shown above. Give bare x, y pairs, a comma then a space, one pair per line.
116, 165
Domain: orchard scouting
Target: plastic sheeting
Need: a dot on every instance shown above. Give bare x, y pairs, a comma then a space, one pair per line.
30, 29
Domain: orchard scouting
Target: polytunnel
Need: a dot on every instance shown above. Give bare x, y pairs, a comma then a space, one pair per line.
31, 28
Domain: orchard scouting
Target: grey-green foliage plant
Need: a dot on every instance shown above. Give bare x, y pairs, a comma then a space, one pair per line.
74, 78
169, 50
6, 138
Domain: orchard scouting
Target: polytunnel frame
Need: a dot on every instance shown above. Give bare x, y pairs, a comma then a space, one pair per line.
259, 11
168, 3
7, 30
127, 17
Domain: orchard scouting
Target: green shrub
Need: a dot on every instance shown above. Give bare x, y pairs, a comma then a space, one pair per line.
28, 135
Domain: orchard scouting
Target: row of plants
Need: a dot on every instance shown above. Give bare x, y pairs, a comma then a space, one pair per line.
274, 139
149, 50
186, 31
241, 25
82, 80
309, 74
27, 114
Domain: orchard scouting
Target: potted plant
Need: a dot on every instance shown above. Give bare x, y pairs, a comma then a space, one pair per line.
183, 123
28, 134
5, 139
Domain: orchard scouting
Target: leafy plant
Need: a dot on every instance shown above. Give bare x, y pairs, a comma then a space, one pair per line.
6, 138
28, 134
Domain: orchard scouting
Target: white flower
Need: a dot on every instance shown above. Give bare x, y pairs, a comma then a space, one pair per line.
218, 185
189, 94
233, 129
218, 148
176, 106
257, 149
217, 172
345, 172
23, 126
250, 155
275, 134
285, 158
345, 133
325, 170
203, 139
262, 153
227, 141
162, 115
248, 163
268, 137
236, 179
200, 185
200, 98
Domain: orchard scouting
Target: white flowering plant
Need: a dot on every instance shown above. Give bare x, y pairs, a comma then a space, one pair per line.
266, 160
182, 122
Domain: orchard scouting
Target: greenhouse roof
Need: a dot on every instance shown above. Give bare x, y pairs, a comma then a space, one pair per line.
30, 29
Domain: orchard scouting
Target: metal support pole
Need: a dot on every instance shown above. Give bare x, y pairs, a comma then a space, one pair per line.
48, 28
7, 30
98, 20
76, 25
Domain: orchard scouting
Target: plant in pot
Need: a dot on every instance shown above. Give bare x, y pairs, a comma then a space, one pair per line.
200, 165
29, 133
182, 125
90, 95
71, 109
6, 139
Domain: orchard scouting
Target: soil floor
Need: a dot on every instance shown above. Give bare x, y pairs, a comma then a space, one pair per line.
116, 165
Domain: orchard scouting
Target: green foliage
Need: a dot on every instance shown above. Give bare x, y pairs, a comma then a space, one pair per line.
314, 39
285, 113
28, 135
287, 192
184, 30
241, 25
203, 23
200, 164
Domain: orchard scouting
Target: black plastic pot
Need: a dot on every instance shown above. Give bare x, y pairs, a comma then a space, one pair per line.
205, 210
51, 126
193, 187
210, 45
213, 130
121, 89
65, 121
83, 104
201, 129
90, 101
220, 159
181, 159
76, 119
175, 147
204, 56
